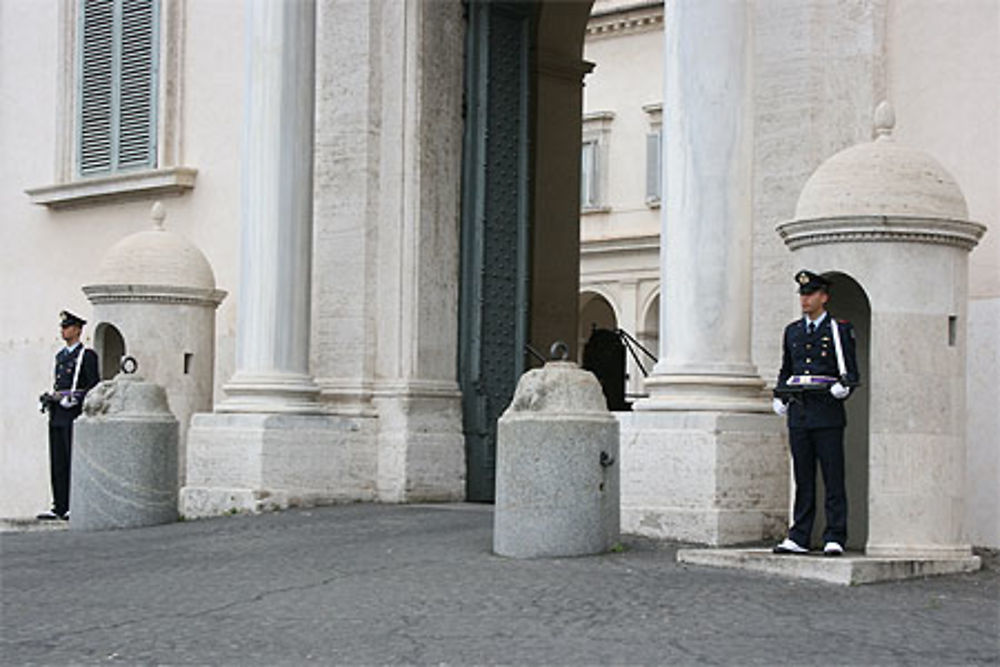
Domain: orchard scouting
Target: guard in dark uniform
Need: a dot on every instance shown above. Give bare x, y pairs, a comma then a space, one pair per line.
64, 405
818, 369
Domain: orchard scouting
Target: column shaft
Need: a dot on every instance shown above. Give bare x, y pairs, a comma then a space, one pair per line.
272, 356
705, 255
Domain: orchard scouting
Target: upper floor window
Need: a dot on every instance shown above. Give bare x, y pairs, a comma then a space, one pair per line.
589, 173
118, 121
654, 154
116, 107
654, 166
594, 152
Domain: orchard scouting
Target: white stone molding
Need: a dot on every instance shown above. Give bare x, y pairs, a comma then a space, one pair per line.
962, 234
631, 244
638, 17
145, 184
654, 110
165, 294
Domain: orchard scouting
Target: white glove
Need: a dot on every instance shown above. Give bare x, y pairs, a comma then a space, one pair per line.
839, 391
779, 408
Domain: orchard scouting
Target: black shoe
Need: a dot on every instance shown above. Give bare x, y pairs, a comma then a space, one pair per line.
64, 516
48, 516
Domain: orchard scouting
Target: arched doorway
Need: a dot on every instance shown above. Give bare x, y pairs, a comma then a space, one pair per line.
110, 347
848, 301
595, 313
520, 205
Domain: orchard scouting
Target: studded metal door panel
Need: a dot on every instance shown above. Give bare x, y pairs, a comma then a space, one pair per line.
493, 317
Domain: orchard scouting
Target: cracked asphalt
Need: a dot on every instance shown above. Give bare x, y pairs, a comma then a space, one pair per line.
380, 584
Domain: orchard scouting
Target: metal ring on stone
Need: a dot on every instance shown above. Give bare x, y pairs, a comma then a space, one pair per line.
129, 365
559, 351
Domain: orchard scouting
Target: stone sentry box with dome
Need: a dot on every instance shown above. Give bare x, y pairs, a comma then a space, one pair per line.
889, 223
155, 299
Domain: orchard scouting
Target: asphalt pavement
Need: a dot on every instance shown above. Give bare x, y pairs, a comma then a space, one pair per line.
397, 584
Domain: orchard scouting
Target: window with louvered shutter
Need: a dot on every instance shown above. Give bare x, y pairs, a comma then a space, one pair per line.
117, 106
588, 174
654, 170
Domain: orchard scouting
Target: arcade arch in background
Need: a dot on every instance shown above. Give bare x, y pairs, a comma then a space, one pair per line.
596, 311
649, 334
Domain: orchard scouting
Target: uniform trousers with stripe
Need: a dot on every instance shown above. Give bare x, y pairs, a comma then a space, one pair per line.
826, 446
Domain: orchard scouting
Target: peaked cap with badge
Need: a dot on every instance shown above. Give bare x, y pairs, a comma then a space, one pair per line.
810, 282
68, 319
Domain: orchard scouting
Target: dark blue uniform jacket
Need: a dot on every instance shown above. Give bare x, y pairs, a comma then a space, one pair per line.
805, 354
65, 367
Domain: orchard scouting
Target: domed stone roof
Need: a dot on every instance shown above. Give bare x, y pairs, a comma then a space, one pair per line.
881, 178
156, 257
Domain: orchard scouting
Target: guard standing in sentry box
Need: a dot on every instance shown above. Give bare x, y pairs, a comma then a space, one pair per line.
818, 370
73, 379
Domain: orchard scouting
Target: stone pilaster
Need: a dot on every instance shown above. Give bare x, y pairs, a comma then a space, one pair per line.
268, 445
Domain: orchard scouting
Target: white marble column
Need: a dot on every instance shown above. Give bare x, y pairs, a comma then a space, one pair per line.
702, 460
272, 355
705, 260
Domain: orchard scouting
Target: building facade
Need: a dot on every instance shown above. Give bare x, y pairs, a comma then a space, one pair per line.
390, 194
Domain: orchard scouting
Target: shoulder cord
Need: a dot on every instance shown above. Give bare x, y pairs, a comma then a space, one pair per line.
841, 366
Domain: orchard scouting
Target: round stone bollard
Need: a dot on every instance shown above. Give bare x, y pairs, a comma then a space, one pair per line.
124, 471
557, 480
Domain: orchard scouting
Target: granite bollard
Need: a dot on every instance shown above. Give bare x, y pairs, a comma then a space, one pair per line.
557, 484
124, 471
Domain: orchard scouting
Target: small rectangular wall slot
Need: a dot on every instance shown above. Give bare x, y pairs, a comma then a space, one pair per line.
952, 330
187, 363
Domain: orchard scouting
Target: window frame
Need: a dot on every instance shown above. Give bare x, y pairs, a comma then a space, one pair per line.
117, 93
167, 176
596, 132
654, 115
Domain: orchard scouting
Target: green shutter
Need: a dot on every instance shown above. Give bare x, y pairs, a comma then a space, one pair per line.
117, 121
136, 120
97, 86
588, 174
653, 166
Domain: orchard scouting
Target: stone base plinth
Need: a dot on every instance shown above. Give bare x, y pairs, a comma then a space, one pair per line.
124, 473
421, 448
706, 477
258, 462
849, 569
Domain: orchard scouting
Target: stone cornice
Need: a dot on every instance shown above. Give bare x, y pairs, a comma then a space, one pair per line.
560, 67
962, 234
640, 17
417, 388
629, 244
144, 184
189, 296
